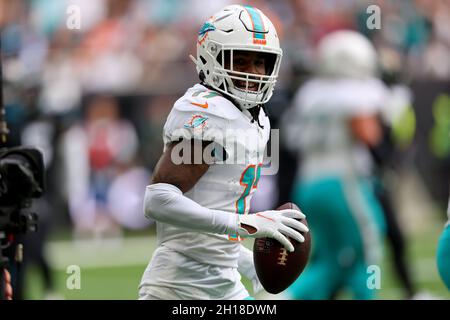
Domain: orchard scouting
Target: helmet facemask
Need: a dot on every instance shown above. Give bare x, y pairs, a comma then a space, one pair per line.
247, 89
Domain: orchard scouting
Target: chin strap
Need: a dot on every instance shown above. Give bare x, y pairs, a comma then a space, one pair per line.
255, 114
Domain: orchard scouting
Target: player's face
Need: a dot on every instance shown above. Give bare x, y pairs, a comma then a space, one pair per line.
249, 62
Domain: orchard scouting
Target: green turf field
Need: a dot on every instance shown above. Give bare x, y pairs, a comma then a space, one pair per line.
112, 269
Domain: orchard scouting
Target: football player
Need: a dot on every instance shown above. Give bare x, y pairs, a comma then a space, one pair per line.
214, 139
332, 124
443, 252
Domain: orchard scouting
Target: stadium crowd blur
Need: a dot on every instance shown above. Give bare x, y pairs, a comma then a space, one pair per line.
94, 99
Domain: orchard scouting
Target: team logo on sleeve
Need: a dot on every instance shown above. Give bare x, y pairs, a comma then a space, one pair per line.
196, 122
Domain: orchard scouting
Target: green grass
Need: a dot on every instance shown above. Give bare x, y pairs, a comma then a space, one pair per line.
96, 283
114, 271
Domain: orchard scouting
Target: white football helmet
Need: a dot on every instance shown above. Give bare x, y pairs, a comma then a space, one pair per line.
346, 53
238, 28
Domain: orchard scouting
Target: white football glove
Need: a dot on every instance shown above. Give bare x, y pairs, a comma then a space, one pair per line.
276, 224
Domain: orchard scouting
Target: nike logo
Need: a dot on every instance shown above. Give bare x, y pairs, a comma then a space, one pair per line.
201, 105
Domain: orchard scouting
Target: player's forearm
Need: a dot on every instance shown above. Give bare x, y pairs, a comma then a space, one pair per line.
166, 203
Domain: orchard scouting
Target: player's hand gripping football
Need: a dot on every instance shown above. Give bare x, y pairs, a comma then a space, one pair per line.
276, 224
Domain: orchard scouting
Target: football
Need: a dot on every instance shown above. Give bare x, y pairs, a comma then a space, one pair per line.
276, 267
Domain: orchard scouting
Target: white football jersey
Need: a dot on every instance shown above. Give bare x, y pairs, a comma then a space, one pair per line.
318, 125
228, 185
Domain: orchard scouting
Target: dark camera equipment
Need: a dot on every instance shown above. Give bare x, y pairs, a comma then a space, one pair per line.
21, 180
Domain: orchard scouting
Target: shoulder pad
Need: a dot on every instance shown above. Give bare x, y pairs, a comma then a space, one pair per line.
207, 102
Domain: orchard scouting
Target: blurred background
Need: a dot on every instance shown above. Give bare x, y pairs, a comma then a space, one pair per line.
94, 98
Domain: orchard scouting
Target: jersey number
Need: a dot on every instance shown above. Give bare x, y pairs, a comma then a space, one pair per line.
249, 180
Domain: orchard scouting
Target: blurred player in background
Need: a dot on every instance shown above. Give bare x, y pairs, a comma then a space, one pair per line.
332, 124
201, 204
96, 151
443, 252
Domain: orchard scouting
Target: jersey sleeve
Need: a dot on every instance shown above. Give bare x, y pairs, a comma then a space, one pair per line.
363, 98
347, 97
197, 119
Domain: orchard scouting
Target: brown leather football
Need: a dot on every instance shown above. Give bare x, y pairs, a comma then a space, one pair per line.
276, 267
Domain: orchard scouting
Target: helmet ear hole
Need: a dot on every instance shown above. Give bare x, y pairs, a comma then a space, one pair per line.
203, 60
